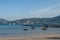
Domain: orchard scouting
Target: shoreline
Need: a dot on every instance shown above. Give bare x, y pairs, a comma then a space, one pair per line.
36, 37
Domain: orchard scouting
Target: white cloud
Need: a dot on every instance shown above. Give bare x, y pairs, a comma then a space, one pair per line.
47, 12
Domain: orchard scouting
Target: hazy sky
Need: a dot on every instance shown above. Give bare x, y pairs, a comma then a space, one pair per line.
18, 9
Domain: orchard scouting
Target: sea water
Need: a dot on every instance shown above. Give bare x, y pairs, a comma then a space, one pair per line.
18, 30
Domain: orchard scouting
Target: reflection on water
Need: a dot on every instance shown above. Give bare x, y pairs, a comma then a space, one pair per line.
17, 30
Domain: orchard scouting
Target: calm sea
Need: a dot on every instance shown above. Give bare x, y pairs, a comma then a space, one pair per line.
17, 30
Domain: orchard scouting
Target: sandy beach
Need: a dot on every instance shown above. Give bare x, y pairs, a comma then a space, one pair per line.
41, 37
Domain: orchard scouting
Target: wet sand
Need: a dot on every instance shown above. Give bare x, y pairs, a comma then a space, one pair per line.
41, 37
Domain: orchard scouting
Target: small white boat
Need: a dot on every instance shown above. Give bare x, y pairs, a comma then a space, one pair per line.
43, 28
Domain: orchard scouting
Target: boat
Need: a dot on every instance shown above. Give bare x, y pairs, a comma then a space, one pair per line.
25, 29
32, 27
43, 28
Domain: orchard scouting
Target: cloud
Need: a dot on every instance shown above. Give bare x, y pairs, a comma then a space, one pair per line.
47, 12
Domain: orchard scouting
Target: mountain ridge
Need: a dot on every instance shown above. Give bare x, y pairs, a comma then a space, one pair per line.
55, 20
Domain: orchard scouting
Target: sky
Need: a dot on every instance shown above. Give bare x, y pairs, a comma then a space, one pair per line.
19, 9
